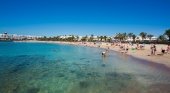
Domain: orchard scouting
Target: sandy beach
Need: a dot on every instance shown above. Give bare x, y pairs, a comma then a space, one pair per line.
138, 53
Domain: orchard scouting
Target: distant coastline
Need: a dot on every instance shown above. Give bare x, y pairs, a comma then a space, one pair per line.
6, 40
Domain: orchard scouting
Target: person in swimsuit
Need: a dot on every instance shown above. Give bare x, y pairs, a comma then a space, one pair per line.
163, 51
154, 49
151, 49
127, 48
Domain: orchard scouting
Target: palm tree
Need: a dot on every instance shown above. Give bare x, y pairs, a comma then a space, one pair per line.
84, 38
134, 37
109, 39
119, 36
161, 38
101, 38
91, 38
70, 38
105, 38
143, 35
77, 38
124, 36
56, 38
98, 38
150, 36
167, 32
130, 35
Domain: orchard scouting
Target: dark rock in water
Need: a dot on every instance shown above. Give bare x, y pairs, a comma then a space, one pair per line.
60, 60
88, 61
20, 56
114, 75
82, 58
60, 75
33, 90
19, 67
93, 74
16, 90
14, 70
80, 75
83, 84
66, 78
118, 81
103, 65
43, 62
89, 74
45, 75
72, 71
111, 74
59, 91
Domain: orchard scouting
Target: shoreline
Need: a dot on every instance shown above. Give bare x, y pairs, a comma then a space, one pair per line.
140, 54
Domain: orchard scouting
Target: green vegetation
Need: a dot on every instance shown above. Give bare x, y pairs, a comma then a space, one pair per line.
167, 32
133, 37
123, 37
91, 39
143, 35
71, 38
150, 36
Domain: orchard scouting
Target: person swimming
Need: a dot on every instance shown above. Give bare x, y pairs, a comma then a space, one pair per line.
103, 53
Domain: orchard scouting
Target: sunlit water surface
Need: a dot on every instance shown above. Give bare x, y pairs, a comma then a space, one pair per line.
55, 68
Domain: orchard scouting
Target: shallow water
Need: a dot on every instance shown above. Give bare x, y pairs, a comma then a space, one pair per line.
54, 68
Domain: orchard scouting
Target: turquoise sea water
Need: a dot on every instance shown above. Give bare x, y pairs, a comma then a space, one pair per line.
55, 68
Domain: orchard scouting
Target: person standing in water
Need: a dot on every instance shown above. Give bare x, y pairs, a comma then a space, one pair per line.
103, 54
127, 48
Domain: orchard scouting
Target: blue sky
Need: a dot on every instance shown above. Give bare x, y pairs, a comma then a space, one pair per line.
84, 17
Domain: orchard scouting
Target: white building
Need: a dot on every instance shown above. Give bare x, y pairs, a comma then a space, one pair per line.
6, 36
129, 39
95, 38
154, 38
138, 38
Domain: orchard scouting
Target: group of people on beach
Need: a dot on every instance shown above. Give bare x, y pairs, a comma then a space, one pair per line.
167, 50
124, 49
163, 50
